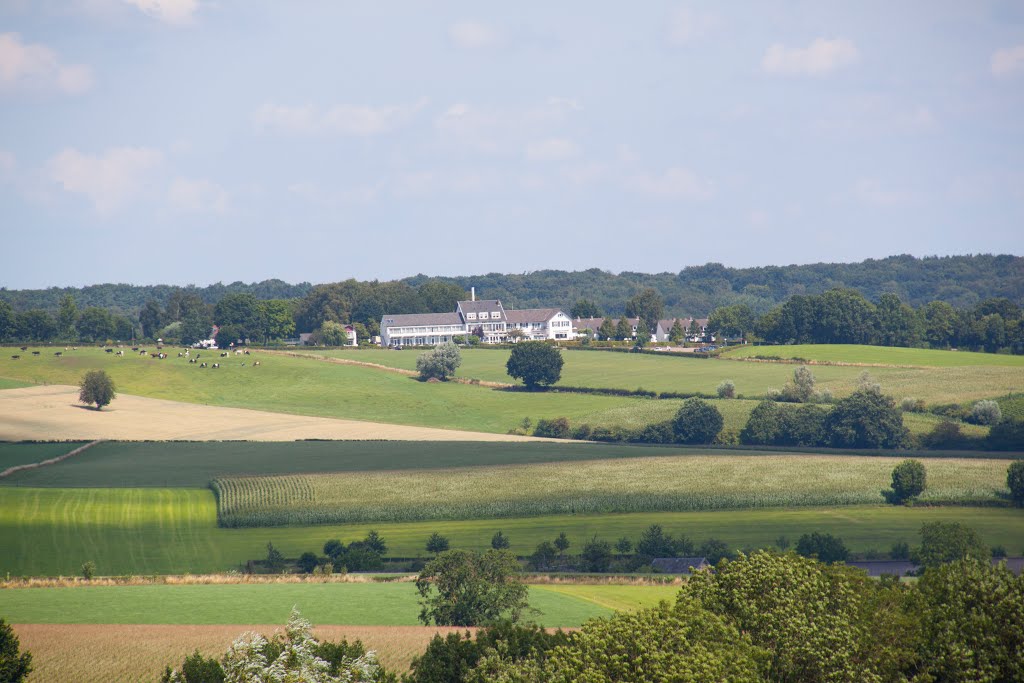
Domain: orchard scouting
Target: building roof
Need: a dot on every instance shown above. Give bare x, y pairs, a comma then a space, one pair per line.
666, 324
481, 306
880, 567
531, 315
678, 565
419, 319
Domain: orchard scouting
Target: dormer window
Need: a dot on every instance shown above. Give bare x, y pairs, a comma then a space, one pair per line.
471, 316
495, 315
483, 315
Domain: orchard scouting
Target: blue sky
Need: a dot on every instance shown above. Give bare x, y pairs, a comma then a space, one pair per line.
195, 141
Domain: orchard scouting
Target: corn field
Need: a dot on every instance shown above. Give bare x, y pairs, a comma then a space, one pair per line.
654, 484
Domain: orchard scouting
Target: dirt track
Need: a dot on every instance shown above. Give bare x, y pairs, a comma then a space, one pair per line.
52, 412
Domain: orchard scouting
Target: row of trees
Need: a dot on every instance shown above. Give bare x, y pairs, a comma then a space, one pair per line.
845, 316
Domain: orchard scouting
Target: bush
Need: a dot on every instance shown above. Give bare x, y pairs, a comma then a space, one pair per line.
543, 557
865, 419
499, 541
943, 542
88, 570
308, 562
908, 481
825, 547
554, 429
986, 413
801, 426
596, 556
659, 432
196, 669
912, 405
944, 435
954, 411
762, 428
1008, 435
1015, 481
727, 389
801, 389
535, 363
697, 422
900, 551
440, 362
582, 432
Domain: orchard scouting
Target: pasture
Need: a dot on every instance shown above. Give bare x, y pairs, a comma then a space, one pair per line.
859, 354
300, 386
935, 378
12, 454
651, 484
50, 532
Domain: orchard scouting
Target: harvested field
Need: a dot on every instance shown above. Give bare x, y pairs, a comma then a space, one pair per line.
53, 413
100, 653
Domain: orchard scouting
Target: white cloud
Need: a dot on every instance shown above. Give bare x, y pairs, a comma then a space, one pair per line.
346, 119
472, 35
674, 183
197, 196
686, 26
1008, 61
35, 66
109, 180
552, 149
177, 12
818, 58
494, 129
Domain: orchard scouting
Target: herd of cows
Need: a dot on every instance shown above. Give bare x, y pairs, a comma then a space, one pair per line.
159, 355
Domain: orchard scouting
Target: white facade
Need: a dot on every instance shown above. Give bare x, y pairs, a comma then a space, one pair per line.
486, 318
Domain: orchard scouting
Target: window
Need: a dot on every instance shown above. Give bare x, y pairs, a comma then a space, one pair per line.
495, 314
471, 316
483, 315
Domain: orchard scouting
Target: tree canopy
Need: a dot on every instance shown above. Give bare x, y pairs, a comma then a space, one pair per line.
466, 588
535, 363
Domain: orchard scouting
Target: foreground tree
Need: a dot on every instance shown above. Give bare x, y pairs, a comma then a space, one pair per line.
466, 588
908, 481
440, 362
96, 387
943, 542
15, 666
697, 421
535, 363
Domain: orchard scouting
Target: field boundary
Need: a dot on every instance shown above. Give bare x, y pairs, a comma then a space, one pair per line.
833, 363
51, 461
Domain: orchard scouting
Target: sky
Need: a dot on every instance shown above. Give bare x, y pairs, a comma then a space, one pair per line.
202, 141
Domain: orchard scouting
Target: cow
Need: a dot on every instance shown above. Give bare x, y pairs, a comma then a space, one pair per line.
247, 352
120, 353
74, 348
135, 348
224, 355
59, 354
203, 364
35, 353
191, 360
15, 357
255, 363
24, 348
109, 350
216, 365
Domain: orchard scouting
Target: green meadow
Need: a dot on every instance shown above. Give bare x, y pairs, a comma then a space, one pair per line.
879, 355
51, 532
348, 604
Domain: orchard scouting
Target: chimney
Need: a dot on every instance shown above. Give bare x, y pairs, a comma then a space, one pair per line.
472, 293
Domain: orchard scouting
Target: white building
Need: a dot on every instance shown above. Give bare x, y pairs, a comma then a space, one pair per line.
486, 318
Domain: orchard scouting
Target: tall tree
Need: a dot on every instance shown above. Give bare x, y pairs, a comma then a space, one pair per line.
95, 324
35, 325
607, 329
67, 316
648, 306
439, 296
150, 319
466, 588
585, 308
624, 330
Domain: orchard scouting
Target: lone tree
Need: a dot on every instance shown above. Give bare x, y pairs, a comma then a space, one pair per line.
697, 422
908, 481
1015, 480
466, 588
439, 363
96, 387
499, 541
536, 363
437, 543
14, 666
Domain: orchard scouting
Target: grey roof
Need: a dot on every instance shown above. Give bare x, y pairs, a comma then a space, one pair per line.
531, 315
482, 305
418, 319
587, 323
667, 323
879, 567
678, 565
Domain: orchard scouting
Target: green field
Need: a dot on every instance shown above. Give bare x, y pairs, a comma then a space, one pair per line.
312, 387
880, 355
936, 379
12, 454
352, 604
6, 383
167, 531
653, 484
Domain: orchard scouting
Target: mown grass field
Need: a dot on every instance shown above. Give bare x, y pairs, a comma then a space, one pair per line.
937, 378
653, 484
347, 604
50, 532
879, 355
